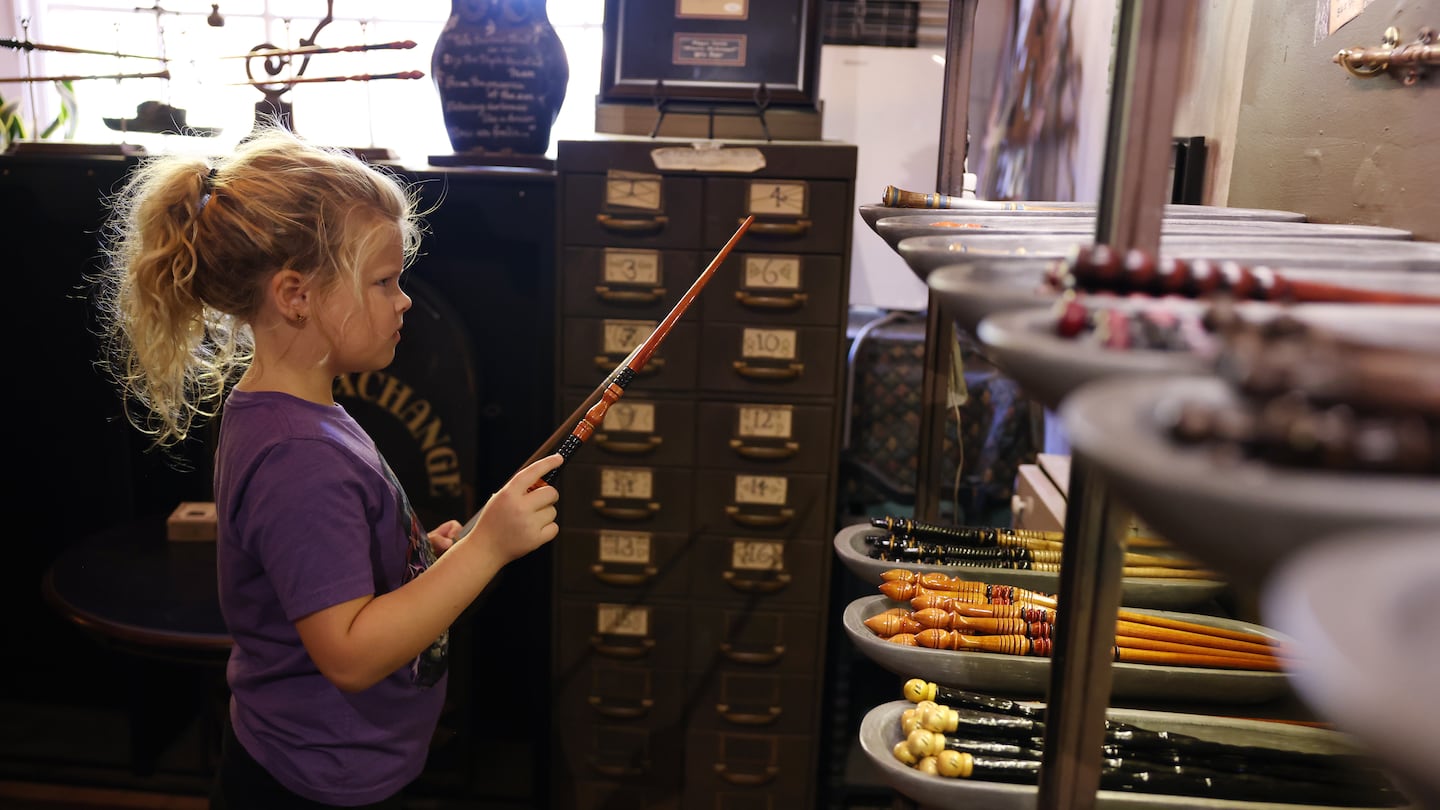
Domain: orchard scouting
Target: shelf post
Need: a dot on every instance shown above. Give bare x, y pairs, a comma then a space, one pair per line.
1151, 45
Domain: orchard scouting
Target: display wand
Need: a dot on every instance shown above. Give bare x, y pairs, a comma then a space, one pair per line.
35, 46
159, 74
364, 77
586, 418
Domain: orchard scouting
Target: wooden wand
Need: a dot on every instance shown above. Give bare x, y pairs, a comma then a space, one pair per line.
591, 412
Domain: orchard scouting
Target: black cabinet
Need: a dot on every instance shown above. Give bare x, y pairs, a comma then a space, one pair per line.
485, 302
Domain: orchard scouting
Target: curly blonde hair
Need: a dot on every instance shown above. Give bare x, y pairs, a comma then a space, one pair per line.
189, 250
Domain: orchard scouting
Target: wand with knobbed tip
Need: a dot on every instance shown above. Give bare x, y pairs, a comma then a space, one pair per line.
903, 585
1103, 268
586, 418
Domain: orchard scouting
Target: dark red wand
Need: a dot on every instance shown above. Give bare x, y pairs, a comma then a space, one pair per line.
614, 386
591, 412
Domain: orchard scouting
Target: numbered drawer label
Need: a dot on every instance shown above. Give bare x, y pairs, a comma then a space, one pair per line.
620, 336
757, 555
635, 190
765, 421
769, 490
635, 267
630, 417
784, 198
624, 547
766, 344
764, 272
622, 620
636, 483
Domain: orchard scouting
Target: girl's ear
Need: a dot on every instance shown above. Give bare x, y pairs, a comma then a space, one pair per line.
290, 294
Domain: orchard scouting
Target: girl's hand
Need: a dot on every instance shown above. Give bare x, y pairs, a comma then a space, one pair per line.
444, 536
517, 520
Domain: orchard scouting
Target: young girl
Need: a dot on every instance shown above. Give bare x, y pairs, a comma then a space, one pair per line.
281, 265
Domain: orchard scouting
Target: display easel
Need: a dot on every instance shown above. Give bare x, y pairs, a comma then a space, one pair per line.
759, 102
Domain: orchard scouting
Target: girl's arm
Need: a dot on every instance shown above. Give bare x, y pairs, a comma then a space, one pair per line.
356, 644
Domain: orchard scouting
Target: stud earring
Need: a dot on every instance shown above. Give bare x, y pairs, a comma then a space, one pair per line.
299, 320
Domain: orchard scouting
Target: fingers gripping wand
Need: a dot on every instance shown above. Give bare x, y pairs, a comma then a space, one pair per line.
591, 412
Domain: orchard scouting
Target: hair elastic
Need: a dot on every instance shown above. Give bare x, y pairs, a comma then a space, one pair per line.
208, 183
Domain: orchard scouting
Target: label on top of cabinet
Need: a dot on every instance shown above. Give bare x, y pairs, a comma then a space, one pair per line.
708, 157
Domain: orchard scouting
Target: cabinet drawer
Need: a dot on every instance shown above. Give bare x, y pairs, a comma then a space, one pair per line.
589, 794
630, 632
770, 359
612, 496
748, 768
622, 694
761, 436
642, 429
765, 504
622, 563
663, 215
593, 347
806, 216
731, 698
776, 641
635, 755
626, 282
782, 288
761, 571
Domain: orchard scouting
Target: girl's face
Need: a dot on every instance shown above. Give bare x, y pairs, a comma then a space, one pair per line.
364, 331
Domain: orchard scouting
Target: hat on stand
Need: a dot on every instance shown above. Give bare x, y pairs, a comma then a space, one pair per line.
154, 116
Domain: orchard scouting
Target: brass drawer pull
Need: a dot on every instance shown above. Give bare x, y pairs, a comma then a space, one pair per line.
747, 779
625, 512
632, 224
765, 451
791, 301
796, 228
759, 521
775, 654
780, 582
628, 448
621, 770
789, 372
613, 296
621, 712
607, 363
623, 580
769, 716
622, 650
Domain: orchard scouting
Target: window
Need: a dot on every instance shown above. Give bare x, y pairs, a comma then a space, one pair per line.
207, 73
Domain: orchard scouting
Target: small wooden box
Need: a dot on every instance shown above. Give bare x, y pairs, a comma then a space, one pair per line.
192, 521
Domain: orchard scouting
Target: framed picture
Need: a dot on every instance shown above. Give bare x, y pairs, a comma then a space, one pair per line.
742, 51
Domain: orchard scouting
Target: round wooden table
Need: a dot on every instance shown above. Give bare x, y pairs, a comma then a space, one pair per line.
131, 587
157, 600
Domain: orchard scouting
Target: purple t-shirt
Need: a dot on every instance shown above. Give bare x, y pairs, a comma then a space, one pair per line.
310, 516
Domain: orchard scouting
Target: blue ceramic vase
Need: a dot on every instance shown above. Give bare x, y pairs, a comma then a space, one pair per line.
501, 73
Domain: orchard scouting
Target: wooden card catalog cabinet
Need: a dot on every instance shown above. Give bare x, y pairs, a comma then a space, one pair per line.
708, 493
